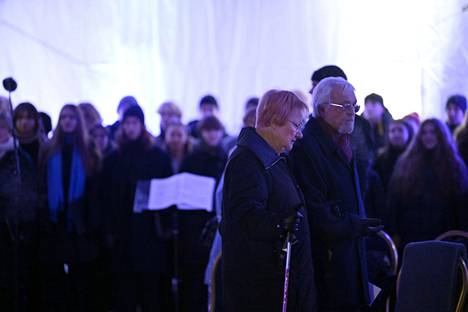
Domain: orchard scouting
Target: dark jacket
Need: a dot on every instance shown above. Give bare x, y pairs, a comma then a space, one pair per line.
426, 214
136, 240
259, 193
462, 144
76, 242
381, 129
334, 205
385, 163
205, 161
197, 229
20, 199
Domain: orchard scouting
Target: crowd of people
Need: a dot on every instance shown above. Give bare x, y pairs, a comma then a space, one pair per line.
70, 241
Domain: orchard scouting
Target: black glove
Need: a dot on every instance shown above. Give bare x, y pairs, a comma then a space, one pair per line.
291, 224
370, 226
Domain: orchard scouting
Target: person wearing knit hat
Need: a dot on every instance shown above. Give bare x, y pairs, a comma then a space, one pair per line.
413, 120
132, 128
455, 109
134, 111
125, 103
324, 72
138, 252
208, 106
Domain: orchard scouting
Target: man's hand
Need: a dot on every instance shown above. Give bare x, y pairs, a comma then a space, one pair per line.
370, 226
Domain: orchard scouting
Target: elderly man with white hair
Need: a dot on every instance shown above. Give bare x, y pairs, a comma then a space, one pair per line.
326, 171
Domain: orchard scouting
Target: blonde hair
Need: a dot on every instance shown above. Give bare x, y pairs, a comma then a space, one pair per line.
91, 116
170, 108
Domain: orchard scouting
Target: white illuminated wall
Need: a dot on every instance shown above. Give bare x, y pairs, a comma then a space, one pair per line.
413, 53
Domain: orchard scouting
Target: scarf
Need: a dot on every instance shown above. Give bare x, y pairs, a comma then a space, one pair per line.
55, 188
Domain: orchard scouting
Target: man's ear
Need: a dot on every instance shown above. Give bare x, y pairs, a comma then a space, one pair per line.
274, 123
321, 110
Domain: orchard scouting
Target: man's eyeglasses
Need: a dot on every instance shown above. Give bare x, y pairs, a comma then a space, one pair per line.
347, 106
300, 126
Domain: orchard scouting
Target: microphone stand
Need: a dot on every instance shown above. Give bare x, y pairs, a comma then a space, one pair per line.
10, 85
175, 258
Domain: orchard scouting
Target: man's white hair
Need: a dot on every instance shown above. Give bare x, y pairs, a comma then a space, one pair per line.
323, 91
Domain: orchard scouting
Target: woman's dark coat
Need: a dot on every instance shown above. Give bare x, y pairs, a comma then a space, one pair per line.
259, 193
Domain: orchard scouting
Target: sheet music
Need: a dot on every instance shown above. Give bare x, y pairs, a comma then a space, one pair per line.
187, 191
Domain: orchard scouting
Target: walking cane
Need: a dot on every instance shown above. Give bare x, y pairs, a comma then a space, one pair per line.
286, 272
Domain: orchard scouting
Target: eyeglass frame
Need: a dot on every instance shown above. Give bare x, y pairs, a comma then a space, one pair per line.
346, 106
299, 127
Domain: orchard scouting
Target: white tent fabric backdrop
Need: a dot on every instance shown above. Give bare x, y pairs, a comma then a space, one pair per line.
413, 53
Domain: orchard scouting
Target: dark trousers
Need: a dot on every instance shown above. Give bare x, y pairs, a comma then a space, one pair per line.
150, 291
19, 274
70, 289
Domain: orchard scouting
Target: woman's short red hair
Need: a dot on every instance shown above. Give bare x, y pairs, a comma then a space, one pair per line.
276, 106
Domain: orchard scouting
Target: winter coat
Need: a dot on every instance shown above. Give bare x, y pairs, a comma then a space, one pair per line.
136, 241
259, 194
334, 204
20, 199
197, 228
71, 240
425, 215
385, 163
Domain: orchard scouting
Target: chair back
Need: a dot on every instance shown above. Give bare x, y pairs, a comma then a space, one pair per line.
215, 286
430, 275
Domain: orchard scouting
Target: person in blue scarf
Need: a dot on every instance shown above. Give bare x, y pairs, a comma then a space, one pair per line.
68, 249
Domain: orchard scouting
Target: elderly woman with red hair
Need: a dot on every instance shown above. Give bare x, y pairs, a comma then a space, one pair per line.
261, 205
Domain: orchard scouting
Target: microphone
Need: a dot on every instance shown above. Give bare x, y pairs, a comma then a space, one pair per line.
10, 84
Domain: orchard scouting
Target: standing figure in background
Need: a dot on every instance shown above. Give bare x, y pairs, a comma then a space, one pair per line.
379, 118
249, 120
100, 139
178, 144
20, 200
91, 115
28, 128
428, 188
207, 107
400, 134
413, 120
71, 220
125, 103
251, 103
455, 109
461, 137
46, 123
139, 252
197, 228
170, 113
